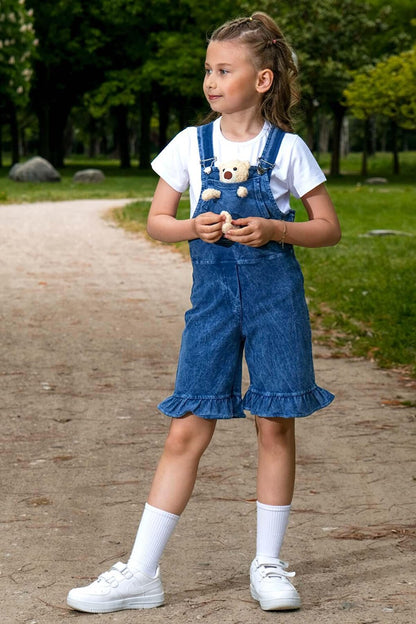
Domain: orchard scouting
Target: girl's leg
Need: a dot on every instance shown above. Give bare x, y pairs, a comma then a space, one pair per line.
269, 583
171, 489
137, 585
275, 482
276, 460
176, 472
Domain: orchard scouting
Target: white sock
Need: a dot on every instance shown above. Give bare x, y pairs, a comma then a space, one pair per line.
155, 528
271, 528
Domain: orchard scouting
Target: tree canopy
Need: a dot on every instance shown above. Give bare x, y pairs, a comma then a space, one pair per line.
389, 89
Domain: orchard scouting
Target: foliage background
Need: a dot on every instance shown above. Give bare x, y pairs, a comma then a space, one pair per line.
121, 77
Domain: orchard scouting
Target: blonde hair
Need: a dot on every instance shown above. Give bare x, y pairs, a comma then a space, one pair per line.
270, 50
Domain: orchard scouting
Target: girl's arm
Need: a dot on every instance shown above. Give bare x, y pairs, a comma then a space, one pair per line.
163, 225
322, 229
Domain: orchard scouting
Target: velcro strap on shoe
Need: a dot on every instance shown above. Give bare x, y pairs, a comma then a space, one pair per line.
274, 568
123, 569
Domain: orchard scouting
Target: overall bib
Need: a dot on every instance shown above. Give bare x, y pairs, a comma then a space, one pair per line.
245, 300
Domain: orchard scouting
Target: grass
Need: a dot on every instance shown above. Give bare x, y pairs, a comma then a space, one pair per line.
361, 293
379, 165
118, 183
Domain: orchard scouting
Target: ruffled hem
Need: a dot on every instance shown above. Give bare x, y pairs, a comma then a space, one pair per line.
269, 405
206, 407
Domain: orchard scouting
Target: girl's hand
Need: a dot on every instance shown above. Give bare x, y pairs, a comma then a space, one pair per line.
322, 229
252, 231
208, 226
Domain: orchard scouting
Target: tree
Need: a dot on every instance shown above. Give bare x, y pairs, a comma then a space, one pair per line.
17, 44
389, 89
68, 63
99, 48
135, 26
160, 69
331, 38
360, 92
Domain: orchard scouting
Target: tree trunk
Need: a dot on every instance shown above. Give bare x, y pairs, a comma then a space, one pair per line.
123, 137
396, 163
364, 160
14, 132
52, 108
311, 131
372, 147
43, 120
92, 137
92, 146
23, 142
52, 124
339, 112
163, 106
145, 118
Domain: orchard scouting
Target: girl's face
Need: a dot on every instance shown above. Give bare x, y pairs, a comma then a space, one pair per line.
231, 82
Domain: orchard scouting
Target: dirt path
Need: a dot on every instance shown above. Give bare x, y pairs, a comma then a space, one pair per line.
91, 319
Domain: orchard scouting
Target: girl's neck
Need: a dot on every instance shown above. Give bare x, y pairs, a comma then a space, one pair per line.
241, 128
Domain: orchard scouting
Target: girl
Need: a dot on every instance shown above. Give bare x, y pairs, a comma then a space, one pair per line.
247, 295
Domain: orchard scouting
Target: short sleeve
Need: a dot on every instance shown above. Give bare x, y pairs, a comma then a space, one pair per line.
304, 173
172, 163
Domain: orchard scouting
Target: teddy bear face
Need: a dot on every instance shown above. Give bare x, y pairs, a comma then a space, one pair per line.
234, 171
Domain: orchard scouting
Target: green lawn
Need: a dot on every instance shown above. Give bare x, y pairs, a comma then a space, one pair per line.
361, 293
118, 183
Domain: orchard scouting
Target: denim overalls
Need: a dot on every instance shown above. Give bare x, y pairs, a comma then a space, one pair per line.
245, 299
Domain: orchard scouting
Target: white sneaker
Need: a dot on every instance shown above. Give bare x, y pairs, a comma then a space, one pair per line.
269, 585
118, 589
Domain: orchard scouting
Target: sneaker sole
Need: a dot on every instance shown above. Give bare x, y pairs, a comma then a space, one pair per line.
282, 603
140, 602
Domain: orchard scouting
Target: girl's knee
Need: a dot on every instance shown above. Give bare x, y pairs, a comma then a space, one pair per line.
275, 431
186, 437
177, 441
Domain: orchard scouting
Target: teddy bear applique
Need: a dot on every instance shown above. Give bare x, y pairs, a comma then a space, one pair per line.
231, 171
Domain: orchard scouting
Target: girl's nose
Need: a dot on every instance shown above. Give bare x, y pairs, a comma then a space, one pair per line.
210, 81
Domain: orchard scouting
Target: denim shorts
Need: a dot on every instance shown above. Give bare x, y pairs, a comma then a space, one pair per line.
231, 315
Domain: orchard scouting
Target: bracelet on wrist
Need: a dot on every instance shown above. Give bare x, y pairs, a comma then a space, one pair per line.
283, 236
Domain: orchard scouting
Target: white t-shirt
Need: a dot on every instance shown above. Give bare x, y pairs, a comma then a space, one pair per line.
296, 171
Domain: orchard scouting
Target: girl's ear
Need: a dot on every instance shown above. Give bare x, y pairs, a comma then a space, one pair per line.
264, 80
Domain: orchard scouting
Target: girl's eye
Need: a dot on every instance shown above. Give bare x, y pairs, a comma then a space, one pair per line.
223, 72
208, 72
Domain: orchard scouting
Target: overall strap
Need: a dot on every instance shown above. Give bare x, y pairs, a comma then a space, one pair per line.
267, 160
205, 145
